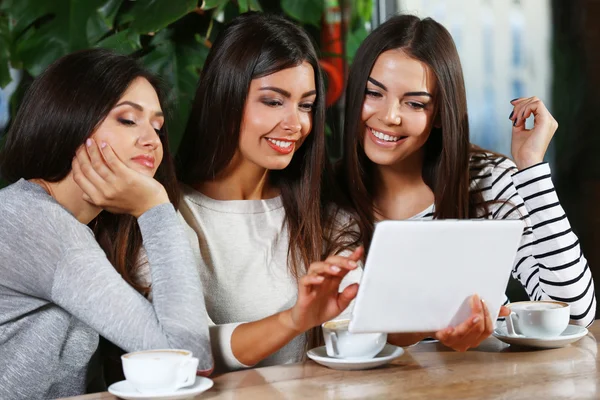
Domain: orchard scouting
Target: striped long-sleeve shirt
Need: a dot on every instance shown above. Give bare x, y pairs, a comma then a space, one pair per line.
550, 263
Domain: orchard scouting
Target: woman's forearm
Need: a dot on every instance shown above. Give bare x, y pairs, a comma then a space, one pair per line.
252, 342
406, 339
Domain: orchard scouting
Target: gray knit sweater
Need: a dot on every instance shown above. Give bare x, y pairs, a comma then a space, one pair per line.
58, 292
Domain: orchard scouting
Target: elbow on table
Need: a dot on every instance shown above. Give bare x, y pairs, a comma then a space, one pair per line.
206, 367
198, 343
206, 364
587, 317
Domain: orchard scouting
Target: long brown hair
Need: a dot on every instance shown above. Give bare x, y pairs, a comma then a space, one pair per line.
448, 149
254, 45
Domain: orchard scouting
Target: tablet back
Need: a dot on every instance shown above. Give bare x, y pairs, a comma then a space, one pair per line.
419, 275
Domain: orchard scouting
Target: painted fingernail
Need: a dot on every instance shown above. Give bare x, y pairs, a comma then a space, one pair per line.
511, 114
352, 263
88, 142
103, 145
335, 268
515, 99
515, 123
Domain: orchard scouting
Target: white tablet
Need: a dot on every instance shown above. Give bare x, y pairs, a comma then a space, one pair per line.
419, 275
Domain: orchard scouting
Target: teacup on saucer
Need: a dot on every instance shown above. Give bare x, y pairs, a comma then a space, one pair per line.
340, 343
570, 335
537, 319
124, 390
159, 371
389, 353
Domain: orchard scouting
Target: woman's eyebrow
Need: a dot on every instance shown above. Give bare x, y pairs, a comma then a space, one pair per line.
138, 107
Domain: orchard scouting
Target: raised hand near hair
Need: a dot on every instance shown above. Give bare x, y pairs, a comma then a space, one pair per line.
529, 145
110, 184
319, 299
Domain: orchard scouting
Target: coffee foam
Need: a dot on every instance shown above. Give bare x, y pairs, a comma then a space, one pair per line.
156, 354
337, 325
537, 305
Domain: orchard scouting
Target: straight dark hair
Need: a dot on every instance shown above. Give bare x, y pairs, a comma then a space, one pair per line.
61, 109
254, 45
448, 149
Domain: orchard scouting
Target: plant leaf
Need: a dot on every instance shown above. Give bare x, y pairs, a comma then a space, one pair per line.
5, 78
178, 63
102, 21
255, 5
210, 4
153, 15
25, 13
96, 28
243, 4
61, 26
364, 10
109, 11
124, 42
353, 41
307, 12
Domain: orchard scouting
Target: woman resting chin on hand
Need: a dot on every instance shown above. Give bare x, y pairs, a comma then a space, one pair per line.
85, 148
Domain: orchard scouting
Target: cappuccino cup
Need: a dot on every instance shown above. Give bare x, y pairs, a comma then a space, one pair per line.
537, 319
159, 371
340, 343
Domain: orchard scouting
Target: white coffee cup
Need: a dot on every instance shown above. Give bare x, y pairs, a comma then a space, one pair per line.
537, 319
340, 343
159, 371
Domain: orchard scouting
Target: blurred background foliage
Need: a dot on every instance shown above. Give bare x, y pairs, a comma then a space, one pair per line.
172, 38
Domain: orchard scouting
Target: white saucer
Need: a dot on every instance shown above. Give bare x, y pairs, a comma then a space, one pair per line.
389, 353
125, 391
572, 334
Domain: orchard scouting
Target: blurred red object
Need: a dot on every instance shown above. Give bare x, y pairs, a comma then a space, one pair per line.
333, 62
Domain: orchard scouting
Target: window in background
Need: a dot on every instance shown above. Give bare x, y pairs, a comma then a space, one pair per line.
5, 99
504, 48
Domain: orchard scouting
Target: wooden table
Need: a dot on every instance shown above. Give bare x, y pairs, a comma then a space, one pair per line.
494, 370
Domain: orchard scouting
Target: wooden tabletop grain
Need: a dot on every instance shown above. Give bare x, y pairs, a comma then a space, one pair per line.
494, 370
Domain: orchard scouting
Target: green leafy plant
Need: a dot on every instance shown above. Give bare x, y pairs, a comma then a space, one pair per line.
171, 37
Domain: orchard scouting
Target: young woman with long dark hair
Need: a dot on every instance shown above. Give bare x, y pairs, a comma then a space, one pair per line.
88, 147
256, 174
407, 155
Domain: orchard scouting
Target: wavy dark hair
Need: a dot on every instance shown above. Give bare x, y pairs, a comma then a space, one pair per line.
61, 109
254, 45
448, 149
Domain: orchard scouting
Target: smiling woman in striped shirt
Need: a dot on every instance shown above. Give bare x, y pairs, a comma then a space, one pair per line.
408, 156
